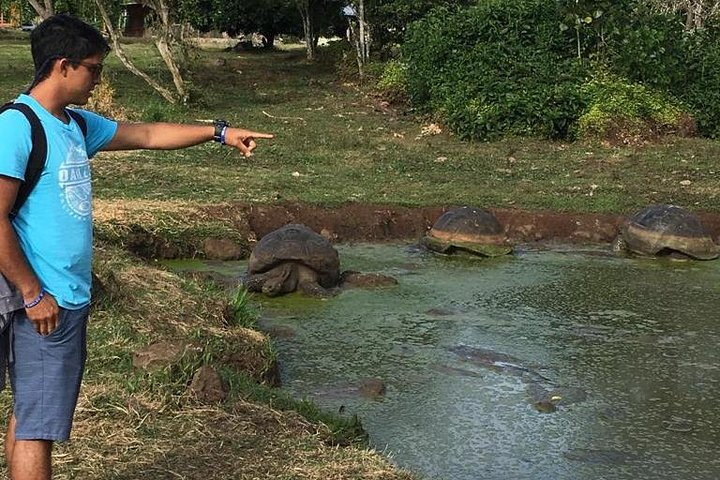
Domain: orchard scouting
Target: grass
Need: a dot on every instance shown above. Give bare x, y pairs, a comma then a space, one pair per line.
334, 144
138, 424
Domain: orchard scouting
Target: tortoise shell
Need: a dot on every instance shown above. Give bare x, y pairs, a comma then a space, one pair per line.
296, 243
660, 229
471, 229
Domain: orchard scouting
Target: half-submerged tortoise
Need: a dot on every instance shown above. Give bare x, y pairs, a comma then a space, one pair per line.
470, 230
661, 230
292, 258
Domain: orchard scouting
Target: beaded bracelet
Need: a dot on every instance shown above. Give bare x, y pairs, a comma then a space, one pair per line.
36, 300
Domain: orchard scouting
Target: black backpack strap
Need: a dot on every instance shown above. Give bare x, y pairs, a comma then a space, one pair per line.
38, 153
79, 119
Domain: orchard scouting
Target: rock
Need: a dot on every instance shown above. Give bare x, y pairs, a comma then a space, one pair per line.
280, 331
329, 235
372, 388
160, 355
207, 386
366, 280
222, 249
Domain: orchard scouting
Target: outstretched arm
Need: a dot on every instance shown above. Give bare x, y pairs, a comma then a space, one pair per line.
172, 136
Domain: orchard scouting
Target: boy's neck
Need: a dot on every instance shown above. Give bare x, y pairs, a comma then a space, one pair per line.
50, 98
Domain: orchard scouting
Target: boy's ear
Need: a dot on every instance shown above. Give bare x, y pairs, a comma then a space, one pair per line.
62, 65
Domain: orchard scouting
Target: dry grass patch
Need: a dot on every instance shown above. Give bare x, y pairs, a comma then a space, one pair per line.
245, 441
147, 212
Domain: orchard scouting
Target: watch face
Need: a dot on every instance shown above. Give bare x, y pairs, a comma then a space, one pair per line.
219, 125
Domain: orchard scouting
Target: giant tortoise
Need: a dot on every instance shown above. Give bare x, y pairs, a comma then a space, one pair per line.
469, 230
660, 230
292, 258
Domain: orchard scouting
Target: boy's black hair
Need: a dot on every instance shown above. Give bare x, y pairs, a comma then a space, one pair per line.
64, 36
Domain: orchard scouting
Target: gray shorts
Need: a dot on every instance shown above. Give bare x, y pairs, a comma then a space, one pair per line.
45, 375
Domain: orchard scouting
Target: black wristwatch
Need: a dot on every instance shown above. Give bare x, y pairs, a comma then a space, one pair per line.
220, 126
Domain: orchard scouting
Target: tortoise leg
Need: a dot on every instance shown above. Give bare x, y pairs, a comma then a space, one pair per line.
618, 245
281, 279
308, 283
314, 289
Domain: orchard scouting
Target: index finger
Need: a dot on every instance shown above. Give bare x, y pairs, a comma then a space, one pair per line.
259, 135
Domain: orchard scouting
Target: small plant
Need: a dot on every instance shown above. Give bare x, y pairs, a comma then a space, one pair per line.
622, 110
393, 81
103, 101
244, 314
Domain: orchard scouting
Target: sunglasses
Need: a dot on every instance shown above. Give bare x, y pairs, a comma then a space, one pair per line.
95, 69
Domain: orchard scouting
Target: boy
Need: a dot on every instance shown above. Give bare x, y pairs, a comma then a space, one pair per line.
46, 247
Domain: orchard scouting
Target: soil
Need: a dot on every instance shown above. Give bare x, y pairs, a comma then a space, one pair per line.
362, 222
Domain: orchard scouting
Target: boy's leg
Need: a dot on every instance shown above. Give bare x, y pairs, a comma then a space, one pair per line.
34, 461
10, 441
4, 353
31, 460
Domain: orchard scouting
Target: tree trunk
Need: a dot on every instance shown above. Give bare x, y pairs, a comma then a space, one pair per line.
164, 48
163, 42
115, 37
355, 39
269, 41
308, 29
45, 10
364, 33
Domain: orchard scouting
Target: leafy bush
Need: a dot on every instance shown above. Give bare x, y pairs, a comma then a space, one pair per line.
498, 68
700, 89
393, 81
647, 47
623, 111
522, 68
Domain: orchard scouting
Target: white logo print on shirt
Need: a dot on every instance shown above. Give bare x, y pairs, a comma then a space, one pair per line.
74, 180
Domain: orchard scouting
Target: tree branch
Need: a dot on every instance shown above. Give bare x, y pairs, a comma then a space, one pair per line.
115, 37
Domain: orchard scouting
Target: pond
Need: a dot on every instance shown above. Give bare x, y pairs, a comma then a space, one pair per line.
562, 362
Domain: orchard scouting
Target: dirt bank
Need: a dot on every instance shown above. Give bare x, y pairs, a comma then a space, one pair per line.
361, 222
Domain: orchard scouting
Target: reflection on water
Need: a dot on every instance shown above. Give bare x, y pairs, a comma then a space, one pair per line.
626, 352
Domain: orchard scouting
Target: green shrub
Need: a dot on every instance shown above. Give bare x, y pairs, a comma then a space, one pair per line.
498, 68
332, 52
700, 89
621, 110
648, 48
522, 68
393, 81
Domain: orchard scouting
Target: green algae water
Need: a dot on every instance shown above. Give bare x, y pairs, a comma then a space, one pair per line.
562, 363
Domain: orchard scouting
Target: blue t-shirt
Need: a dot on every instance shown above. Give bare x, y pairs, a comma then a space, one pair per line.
54, 226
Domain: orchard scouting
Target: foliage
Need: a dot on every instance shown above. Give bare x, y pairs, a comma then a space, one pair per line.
268, 17
244, 313
698, 13
649, 48
390, 18
453, 68
545, 53
619, 108
393, 80
700, 88
103, 101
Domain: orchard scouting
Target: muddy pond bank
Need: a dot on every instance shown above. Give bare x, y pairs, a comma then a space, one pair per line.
244, 224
